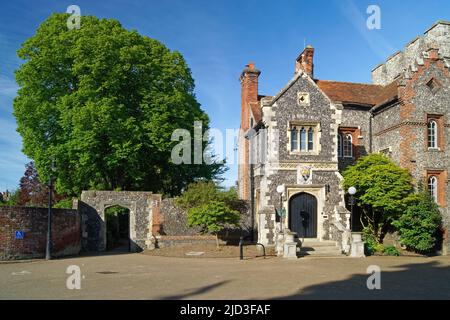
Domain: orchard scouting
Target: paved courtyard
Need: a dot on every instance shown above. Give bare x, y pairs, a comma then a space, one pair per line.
139, 276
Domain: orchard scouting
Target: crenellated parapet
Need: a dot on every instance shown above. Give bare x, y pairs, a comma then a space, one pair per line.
437, 38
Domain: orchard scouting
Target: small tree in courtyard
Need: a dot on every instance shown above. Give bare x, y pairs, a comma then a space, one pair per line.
382, 187
213, 217
210, 207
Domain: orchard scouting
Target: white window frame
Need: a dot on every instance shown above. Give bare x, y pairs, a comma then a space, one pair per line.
433, 187
432, 135
345, 139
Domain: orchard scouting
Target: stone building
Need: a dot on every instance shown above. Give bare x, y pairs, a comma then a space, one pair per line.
300, 139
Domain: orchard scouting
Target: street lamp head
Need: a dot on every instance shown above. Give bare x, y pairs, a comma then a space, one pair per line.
352, 191
280, 189
53, 166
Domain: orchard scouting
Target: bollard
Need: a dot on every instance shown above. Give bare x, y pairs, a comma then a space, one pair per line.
264, 249
241, 248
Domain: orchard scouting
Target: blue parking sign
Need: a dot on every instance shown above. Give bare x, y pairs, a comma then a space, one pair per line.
19, 235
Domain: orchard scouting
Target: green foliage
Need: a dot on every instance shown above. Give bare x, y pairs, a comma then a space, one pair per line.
64, 204
13, 199
211, 208
212, 217
419, 225
199, 193
103, 102
391, 251
382, 187
371, 243
203, 192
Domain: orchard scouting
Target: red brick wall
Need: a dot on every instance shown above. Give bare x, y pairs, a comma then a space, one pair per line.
249, 95
33, 221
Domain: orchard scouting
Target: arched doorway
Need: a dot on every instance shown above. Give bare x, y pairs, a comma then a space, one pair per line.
117, 220
143, 217
303, 215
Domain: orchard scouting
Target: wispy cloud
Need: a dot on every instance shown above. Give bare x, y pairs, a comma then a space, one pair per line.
12, 160
8, 87
377, 43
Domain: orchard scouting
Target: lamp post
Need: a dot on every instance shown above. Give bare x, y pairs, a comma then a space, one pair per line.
280, 190
357, 244
351, 192
48, 249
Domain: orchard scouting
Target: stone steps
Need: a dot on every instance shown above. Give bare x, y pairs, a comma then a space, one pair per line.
317, 248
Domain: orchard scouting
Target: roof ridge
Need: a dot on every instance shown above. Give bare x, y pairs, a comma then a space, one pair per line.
361, 83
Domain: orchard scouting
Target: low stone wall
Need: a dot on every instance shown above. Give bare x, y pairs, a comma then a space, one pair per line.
33, 223
172, 241
173, 223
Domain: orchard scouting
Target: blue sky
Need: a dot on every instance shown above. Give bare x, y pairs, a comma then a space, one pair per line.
217, 38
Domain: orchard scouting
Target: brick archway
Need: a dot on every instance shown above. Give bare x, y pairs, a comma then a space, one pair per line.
144, 217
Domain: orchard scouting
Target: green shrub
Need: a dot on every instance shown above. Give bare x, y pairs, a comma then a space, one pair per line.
382, 187
213, 217
64, 204
371, 244
391, 251
419, 225
13, 199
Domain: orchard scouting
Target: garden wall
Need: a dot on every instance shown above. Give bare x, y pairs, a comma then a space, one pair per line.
174, 230
33, 223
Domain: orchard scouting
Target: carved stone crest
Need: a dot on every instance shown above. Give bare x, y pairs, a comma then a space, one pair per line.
304, 174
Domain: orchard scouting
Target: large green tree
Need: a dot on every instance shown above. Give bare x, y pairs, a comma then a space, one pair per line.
383, 189
103, 102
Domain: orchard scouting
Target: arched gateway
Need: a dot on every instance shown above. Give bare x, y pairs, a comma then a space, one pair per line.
143, 217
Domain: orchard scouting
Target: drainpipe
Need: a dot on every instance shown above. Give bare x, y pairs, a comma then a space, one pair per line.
252, 202
370, 131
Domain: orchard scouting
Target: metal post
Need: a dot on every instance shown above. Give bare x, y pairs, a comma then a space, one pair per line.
352, 202
48, 248
241, 248
252, 202
281, 213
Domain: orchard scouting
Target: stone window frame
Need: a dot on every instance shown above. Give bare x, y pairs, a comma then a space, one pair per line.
438, 119
315, 141
441, 178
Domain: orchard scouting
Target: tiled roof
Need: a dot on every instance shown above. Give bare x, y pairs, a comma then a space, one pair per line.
348, 92
370, 95
256, 111
388, 93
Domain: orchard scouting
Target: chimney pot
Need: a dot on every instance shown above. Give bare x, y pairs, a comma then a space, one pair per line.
305, 61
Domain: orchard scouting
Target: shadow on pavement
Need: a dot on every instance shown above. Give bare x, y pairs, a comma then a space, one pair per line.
411, 281
194, 292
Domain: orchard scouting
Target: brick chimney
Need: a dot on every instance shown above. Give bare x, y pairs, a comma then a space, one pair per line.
305, 61
249, 92
249, 96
